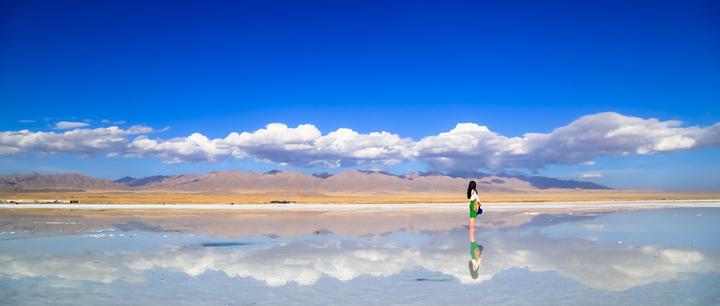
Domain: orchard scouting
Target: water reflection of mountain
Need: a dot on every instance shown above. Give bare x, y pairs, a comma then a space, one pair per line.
274, 224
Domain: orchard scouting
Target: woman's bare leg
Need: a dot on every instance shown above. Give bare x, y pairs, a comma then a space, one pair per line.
472, 222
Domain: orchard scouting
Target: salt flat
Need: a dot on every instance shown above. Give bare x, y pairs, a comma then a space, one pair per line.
362, 254
498, 206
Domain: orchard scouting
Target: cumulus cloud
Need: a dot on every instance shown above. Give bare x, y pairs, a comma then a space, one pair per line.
305, 145
612, 134
66, 125
581, 141
195, 147
468, 145
465, 147
87, 142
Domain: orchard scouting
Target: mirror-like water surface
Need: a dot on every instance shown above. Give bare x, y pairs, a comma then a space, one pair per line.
660, 257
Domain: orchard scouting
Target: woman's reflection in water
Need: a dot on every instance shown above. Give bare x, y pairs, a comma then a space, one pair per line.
476, 255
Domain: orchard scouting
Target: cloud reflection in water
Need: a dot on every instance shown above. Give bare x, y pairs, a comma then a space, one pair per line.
305, 261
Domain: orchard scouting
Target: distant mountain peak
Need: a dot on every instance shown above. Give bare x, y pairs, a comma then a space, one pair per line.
468, 174
273, 172
543, 182
431, 173
322, 175
125, 179
380, 172
36, 181
138, 182
539, 182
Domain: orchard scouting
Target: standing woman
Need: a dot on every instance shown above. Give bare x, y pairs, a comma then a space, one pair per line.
474, 206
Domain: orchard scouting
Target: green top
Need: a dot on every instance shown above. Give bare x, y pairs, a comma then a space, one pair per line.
474, 246
473, 212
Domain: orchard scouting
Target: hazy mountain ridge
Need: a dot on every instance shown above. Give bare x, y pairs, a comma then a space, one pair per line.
137, 182
55, 181
348, 181
539, 182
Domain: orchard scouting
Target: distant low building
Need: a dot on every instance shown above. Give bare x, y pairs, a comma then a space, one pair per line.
20, 201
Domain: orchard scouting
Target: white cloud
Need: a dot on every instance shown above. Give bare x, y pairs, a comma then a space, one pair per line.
305, 145
78, 141
26, 121
467, 146
66, 125
195, 147
118, 122
591, 175
470, 146
610, 134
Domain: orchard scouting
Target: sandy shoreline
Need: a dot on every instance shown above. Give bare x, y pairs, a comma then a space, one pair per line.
498, 206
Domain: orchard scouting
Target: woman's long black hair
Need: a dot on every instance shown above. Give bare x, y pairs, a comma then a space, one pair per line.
471, 187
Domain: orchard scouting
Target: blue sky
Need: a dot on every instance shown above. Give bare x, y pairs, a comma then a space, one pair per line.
411, 68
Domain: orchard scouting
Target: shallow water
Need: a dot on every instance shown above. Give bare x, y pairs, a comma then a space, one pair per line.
648, 257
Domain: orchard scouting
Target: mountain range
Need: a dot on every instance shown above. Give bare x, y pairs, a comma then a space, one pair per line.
348, 181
